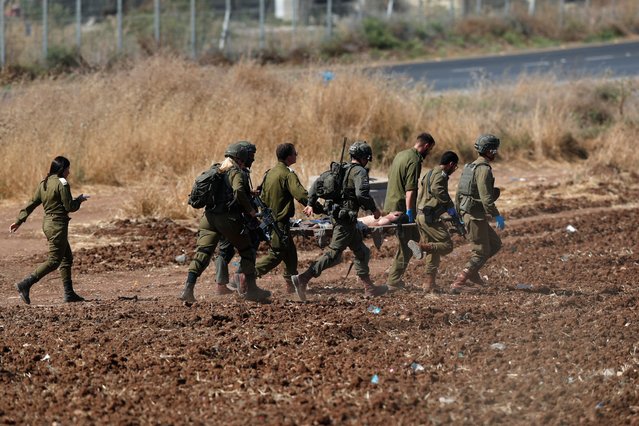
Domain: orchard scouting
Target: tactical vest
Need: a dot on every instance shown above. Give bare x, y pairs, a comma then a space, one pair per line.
467, 188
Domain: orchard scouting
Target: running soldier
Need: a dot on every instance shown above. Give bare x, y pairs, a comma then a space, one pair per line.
475, 201
54, 193
401, 195
279, 190
225, 219
356, 195
434, 201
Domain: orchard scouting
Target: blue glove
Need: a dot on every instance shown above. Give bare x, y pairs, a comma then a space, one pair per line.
452, 212
501, 223
411, 215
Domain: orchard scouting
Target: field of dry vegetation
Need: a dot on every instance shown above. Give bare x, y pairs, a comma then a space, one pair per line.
159, 123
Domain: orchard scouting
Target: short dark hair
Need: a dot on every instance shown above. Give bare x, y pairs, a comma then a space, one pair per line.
426, 138
284, 150
449, 157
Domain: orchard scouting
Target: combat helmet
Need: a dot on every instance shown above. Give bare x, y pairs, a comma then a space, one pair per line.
487, 142
237, 151
252, 149
360, 150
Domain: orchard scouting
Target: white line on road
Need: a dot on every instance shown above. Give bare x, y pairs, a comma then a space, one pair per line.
537, 64
469, 69
599, 58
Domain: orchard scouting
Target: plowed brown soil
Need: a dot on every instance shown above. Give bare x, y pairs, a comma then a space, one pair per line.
552, 339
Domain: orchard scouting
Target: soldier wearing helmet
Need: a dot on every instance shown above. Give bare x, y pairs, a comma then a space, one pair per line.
475, 202
401, 195
225, 250
356, 195
229, 224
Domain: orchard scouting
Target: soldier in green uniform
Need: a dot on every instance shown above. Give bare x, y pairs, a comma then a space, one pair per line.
225, 250
356, 195
279, 190
433, 201
54, 193
401, 195
225, 219
475, 201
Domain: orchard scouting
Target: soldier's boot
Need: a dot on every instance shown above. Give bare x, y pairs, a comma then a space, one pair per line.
430, 284
222, 290
476, 278
253, 292
300, 282
370, 289
24, 287
419, 250
238, 282
290, 288
70, 295
460, 284
187, 293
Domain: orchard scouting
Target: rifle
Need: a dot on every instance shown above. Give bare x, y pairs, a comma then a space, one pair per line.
458, 225
268, 223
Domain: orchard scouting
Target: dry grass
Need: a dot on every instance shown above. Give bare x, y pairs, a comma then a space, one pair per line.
158, 124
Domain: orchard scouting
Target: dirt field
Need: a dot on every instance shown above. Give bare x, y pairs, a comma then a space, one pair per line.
564, 351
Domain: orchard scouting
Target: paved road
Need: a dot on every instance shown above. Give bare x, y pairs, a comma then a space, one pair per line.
615, 60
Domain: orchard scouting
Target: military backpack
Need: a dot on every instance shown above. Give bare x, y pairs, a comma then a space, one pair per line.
330, 184
209, 189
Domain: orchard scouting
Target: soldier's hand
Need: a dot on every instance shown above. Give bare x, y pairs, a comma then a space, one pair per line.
14, 227
253, 214
308, 211
501, 223
377, 214
83, 197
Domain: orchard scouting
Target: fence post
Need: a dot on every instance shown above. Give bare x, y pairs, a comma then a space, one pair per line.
478, 7
507, 7
45, 29
531, 7
225, 25
78, 23
119, 25
262, 42
294, 15
192, 27
561, 14
329, 18
156, 21
2, 53
389, 9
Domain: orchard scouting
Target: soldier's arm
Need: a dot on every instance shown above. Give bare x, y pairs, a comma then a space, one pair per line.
70, 204
237, 178
25, 212
296, 189
484, 181
362, 189
439, 189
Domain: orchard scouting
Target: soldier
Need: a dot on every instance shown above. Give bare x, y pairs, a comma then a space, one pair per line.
54, 193
279, 190
433, 201
226, 252
475, 200
401, 195
225, 219
356, 195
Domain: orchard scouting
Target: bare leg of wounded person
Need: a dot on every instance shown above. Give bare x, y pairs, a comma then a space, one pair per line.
370, 220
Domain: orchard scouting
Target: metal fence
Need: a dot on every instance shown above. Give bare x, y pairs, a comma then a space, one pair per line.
33, 30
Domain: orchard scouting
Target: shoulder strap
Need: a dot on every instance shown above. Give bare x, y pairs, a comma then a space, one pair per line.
430, 173
261, 185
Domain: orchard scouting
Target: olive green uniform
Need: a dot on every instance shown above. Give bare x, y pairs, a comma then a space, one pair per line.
345, 230
474, 210
57, 202
403, 176
434, 200
280, 188
230, 224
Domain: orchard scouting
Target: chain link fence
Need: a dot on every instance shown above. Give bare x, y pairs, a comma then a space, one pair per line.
33, 31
